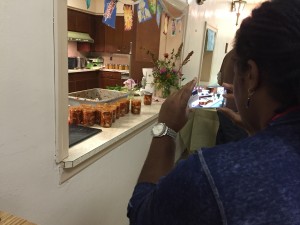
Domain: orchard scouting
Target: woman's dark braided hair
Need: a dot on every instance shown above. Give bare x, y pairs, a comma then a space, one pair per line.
271, 37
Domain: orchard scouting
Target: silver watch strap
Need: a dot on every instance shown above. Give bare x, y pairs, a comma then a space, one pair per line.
171, 133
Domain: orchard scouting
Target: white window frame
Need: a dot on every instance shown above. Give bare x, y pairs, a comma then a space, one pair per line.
60, 79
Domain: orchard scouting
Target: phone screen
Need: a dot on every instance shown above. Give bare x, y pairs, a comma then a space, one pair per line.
207, 98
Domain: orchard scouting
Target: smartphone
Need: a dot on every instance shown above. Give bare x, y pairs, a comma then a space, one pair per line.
207, 98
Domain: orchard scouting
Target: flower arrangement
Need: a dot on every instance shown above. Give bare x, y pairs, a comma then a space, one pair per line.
166, 74
130, 86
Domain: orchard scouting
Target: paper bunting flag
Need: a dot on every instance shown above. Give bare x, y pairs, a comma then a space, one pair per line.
143, 11
110, 12
152, 6
173, 27
166, 24
158, 13
128, 14
88, 3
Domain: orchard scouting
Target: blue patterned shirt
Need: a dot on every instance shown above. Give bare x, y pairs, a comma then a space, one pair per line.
255, 181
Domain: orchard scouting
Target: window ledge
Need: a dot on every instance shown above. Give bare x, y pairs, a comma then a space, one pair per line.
120, 130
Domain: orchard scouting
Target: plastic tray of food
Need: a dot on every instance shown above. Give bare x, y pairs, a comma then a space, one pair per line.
95, 96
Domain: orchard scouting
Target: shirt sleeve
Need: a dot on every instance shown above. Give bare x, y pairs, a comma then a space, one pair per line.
182, 197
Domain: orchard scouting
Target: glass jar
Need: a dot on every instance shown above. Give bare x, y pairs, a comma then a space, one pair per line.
75, 115
88, 116
147, 98
117, 109
106, 117
136, 106
113, 109
123, 106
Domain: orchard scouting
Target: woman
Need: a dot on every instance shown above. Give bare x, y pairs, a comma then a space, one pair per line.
228, 131
255, 180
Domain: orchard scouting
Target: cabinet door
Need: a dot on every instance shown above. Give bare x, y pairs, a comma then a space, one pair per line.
107, 82
110, 39
83, 80
147, 38
79, 21
127, 42
71, 20
99, 34
111, 79
83, 22
127, 36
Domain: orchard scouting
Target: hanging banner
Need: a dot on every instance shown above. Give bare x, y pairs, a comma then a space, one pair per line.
173, 27
128, 15
110, 12
158, 13
143, 11
166, 24
88, 3
152, 6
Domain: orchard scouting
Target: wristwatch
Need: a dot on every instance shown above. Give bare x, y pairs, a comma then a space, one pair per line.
161, 129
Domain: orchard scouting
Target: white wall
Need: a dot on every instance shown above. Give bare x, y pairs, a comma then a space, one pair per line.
29, 176
216, 13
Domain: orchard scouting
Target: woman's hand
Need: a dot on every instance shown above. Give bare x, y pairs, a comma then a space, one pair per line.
174, 110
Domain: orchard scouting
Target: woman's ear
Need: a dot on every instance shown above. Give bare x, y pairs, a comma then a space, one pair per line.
253, 75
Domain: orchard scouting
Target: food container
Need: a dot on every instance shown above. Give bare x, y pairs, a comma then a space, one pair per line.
136, 106
147, 98
113, 109
75, 115
106, 117
126, 67
88, 116
95, 96
123, 107
120, 67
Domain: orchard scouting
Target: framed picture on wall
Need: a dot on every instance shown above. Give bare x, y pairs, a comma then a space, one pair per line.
210, 40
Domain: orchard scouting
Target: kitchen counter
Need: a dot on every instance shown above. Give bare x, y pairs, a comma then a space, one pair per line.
124, 127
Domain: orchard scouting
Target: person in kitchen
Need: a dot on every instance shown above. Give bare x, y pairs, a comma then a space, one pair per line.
252, 181
227, 130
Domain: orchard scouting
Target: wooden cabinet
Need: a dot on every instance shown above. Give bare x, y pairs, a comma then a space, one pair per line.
146, 37
107, 78
112, 40
83, 80
79, 21
99, 34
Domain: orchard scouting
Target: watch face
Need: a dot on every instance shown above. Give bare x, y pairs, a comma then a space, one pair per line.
158, 129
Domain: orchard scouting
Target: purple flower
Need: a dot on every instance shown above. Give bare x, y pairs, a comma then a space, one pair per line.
163, 70
129, 83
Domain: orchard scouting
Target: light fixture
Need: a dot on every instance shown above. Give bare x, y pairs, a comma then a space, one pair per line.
238, 6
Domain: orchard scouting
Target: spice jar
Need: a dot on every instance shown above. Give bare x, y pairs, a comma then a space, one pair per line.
136, 106
120, 67
147, 98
